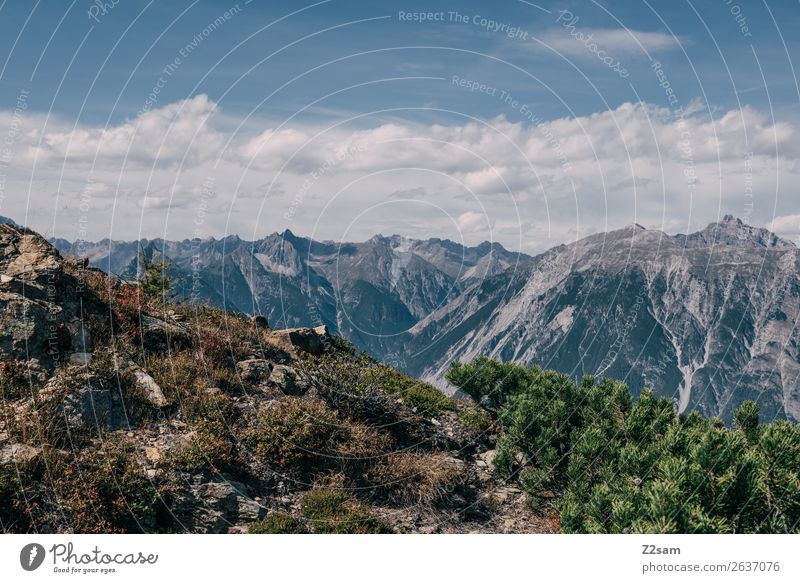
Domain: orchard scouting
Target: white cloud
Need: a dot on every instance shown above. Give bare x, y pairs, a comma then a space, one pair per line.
544, 184
167, 135
617, 42
471, 221
787, 226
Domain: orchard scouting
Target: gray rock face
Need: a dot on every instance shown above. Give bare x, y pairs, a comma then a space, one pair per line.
287, 380
145, 383
368, 292
84, 402
18, 454
254, 371
159, 335
311, 340
708, 319
40, 310
213, 506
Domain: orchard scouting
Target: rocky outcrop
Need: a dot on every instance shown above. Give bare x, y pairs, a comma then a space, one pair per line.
142, 381
271, 376
42, 307
159, 335
254, 371
249, 421
47, 310
288, 380
215, 506
311, 340
83, 401
18, 454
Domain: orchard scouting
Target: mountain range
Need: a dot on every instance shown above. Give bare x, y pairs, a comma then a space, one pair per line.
708, 318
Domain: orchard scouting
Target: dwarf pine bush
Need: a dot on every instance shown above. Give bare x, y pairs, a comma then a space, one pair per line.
612, 465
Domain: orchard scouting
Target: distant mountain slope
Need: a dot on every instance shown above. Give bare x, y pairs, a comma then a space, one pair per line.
707, 318
371, 292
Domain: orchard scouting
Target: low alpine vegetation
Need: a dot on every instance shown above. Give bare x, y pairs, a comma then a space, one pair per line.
278, 523
333, 511
610, 463
156, 416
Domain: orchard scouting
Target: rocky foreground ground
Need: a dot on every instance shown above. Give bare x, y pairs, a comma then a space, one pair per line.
119, 413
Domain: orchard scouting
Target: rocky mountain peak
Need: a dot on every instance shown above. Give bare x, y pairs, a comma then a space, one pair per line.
732, 231
707, 318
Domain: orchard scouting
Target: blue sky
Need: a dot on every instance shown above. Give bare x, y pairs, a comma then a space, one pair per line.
136, 39
361, 66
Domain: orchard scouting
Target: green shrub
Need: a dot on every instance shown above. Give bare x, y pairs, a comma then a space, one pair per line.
15, 382
475, 419
746, 420
336, 512
185, 377
277, 523
360, 388
489, 381
19, 497
155, 281
615, 465
427, 399
295, 432
411, 478
105, 491
212, 446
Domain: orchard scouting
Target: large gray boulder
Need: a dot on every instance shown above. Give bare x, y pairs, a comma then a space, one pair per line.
254, 371
288, 380
311, 340
43, 308
83, 401
161, 335
216, 505
146, 384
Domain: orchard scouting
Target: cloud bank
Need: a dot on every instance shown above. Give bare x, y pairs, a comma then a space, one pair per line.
181, 171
